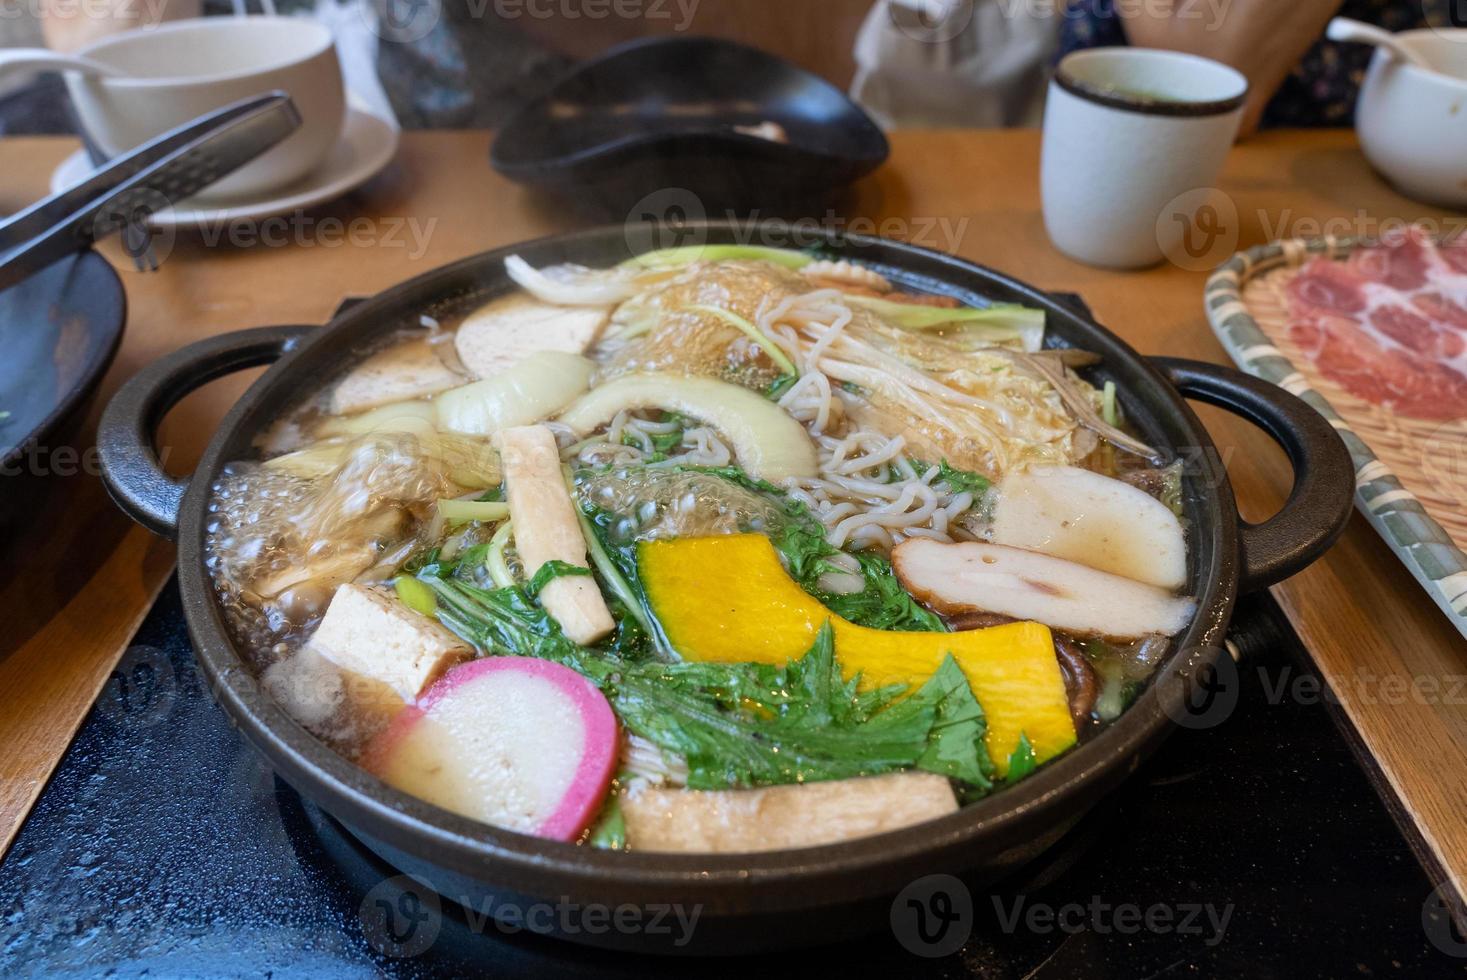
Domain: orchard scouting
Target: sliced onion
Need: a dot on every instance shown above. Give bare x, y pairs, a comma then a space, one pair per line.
537, 386
570, 285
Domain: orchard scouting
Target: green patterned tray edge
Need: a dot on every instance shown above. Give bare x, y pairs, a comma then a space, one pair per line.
1418, 540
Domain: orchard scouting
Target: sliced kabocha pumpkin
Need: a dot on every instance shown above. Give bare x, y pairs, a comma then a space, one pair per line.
729, 600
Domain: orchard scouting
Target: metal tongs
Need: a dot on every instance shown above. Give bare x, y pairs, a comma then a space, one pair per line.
129, 191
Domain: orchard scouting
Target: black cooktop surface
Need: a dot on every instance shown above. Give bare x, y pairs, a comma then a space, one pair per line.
1256, 848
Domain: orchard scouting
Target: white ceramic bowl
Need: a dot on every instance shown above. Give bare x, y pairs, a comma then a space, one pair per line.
1413, 123
181, 70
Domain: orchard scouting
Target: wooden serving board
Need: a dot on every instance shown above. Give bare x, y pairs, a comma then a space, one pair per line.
1360, 613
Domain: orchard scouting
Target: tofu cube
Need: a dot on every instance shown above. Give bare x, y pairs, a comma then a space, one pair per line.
368, 631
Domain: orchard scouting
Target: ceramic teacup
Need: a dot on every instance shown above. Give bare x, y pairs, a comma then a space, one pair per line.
179, 71
1413, 121
1127, 132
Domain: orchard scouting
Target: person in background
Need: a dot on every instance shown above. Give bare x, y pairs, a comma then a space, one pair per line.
450, 63
944, 63
1298, 78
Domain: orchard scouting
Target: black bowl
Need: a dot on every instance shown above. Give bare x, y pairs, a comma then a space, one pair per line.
665, 114
746, 902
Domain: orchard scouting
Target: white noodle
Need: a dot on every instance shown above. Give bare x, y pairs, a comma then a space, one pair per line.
868, 491
645, 763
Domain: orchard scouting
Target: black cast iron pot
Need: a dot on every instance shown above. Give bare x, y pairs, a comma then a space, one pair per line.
749, 902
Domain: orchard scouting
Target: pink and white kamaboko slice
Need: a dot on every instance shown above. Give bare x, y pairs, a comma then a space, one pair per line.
515, 742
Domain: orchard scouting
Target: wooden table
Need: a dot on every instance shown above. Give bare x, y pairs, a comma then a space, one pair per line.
88, 578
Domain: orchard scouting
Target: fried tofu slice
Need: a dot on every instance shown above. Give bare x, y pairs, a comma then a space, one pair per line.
512, 327
369, 632
546, 529
399, 373
779, 817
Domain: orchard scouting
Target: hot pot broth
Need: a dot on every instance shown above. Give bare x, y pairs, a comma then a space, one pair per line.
722, 549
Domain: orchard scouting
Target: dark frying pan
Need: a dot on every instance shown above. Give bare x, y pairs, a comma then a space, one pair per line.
668, 113
59, 330
744, 902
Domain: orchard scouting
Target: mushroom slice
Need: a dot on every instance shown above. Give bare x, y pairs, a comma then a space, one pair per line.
975, 577
327, 571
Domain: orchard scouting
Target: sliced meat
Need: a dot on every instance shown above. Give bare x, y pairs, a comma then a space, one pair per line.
1387, 325
513, 327
779, 817
1416, 332
1396, 379
1327, 286
1399, 261
1441, 309
1454, 253
400, 373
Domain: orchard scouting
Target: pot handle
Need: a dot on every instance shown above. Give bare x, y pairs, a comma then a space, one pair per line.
125, 436
1323, 496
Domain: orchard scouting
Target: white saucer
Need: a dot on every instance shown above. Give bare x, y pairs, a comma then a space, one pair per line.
367, 144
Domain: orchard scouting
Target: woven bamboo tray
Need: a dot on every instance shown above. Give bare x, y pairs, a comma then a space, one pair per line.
1411, 474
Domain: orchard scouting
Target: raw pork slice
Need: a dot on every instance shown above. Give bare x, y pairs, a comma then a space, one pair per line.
1389, 325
